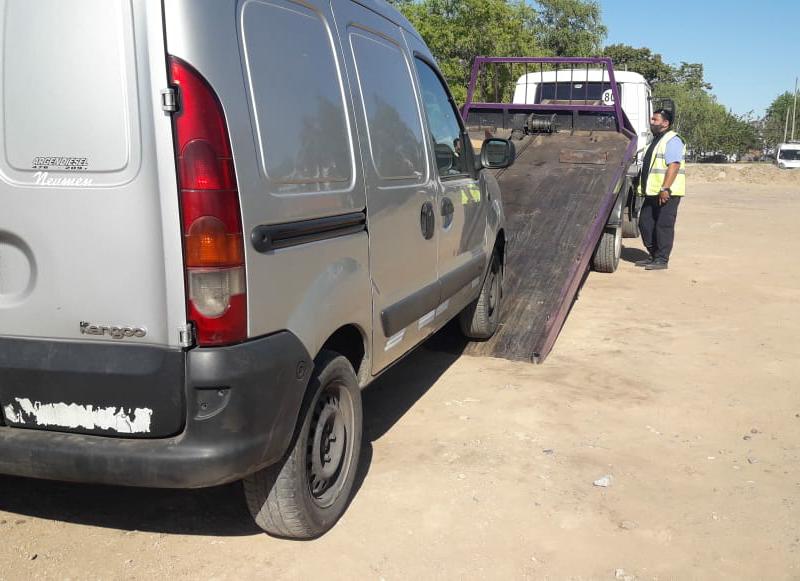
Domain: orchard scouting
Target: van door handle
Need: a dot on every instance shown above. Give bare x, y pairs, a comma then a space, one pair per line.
427, 220
447, 207
447, 212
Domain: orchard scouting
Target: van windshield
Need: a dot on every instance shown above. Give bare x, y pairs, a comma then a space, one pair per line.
591, 92
789, 154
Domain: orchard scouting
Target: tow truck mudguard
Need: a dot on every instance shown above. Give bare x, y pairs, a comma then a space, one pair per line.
240, 407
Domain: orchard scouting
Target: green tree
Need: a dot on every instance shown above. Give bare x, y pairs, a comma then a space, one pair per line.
705, 124
457, 31
691, 75
775, 121
570, 27
641, 60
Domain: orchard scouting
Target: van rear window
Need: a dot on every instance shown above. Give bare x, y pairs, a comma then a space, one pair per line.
297, 97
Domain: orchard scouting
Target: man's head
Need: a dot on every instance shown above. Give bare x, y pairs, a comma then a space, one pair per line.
660, 121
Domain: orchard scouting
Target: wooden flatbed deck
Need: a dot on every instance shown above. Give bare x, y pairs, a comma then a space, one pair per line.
552, 195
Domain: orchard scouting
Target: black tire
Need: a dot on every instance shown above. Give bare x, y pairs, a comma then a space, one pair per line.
630, 228
305, 496
606, 255
479, 320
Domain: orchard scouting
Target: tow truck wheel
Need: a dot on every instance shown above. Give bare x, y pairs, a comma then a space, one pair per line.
630, 223
305, 496
479, 320
630, 228
609, 249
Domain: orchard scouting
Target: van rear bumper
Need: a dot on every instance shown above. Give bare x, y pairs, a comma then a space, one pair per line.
242, 403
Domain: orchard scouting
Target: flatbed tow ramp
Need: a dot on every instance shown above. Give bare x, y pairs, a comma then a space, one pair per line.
564, 195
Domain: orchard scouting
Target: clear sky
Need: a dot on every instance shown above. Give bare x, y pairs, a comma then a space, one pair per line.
750, 50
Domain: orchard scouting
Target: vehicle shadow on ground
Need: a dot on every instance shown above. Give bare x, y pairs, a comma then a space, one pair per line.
219, 511
633, 254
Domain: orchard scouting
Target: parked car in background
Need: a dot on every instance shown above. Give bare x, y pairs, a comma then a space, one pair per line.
788, 155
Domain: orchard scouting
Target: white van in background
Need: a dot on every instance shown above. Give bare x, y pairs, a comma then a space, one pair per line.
788, 155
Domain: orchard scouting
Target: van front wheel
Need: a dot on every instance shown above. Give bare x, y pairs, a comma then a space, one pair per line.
479, 320
304, 497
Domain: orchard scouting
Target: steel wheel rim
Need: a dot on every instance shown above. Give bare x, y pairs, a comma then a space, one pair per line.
329, 448
617, 242
494, 292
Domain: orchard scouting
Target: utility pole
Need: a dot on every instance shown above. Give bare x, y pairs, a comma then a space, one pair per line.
794, 109
786, 125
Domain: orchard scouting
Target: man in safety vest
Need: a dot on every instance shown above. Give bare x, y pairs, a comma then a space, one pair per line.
663, 183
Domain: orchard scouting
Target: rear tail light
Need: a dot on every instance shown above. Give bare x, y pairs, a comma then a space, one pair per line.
211, 218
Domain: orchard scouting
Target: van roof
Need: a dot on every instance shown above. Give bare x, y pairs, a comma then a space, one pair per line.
389, 12
577, 74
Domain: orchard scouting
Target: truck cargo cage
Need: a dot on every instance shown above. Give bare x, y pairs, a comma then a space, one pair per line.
564, 86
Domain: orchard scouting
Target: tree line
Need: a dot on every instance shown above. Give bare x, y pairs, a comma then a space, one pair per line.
459, 30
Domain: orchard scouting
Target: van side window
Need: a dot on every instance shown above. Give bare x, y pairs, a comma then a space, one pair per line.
297, 97
443, 123
394, 126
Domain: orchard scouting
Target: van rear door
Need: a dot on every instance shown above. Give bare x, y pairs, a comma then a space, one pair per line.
90, 246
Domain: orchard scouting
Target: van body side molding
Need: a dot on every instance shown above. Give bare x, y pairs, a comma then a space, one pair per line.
266, 238
407, 310
455, 280
416, 305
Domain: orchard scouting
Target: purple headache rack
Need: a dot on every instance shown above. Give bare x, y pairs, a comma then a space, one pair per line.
481, 62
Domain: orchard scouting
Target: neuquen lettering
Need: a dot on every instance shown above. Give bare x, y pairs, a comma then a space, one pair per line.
42, 178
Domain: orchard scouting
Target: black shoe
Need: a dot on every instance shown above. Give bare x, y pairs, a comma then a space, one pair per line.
644, 262
657, 264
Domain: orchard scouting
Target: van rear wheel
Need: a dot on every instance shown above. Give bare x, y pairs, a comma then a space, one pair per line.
305, 496
479, 320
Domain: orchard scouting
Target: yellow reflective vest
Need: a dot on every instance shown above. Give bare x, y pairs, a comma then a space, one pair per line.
470, 194
658, 169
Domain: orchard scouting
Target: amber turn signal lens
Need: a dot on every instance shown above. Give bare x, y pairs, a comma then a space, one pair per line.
209, 244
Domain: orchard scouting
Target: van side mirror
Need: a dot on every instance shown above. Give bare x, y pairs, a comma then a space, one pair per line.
497, 153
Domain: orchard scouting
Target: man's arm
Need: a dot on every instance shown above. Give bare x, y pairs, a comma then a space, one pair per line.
669, 178
672, 156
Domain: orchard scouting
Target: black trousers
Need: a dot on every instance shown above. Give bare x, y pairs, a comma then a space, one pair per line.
657, 225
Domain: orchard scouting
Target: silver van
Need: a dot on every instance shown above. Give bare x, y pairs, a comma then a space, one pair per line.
221, 219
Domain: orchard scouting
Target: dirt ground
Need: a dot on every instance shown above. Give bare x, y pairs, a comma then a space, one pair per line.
680, 385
